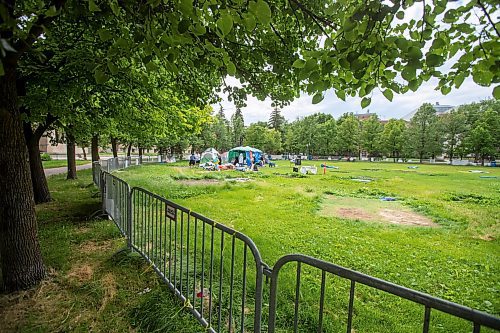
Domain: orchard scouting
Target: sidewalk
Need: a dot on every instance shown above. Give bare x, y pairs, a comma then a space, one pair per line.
56, 171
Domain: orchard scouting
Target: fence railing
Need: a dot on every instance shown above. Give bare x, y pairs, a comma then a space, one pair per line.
218, 272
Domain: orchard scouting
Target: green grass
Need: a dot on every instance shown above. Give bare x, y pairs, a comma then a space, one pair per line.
91, 286
60, 163
458, 260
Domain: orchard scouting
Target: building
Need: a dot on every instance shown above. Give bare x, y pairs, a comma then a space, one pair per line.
440, 110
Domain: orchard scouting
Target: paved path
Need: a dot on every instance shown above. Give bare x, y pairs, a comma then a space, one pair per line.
56, 171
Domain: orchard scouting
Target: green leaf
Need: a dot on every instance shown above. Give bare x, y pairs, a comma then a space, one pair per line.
433, 60
52, 11
93, 7
365, 102
482, 77
445, 90
100, 77
113, 68
317, 98
186, 6
340, 94
114, 7
409, 73
249, 21
104, 35
225, 24
459, 79
299, 63
231, 68
400, 15
496, 90
413, 85
263, 12
414, 52
388, 94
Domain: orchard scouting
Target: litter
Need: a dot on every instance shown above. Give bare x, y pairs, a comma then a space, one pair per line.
388, 199
361, 180
413, 167
478, 171
329, 166
308, 169
488, 177
239, 180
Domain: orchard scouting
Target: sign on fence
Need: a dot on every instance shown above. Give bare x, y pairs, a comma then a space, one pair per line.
171, 212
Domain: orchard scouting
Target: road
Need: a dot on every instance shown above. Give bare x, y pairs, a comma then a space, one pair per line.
56, 171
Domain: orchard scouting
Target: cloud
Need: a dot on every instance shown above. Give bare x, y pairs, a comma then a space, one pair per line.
400, 106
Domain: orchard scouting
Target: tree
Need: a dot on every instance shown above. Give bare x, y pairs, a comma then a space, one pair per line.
454, 126
357, 46
393, 138
370, 138
482, 140
258, 135
348, 134
424, 133
237, 128
276, 120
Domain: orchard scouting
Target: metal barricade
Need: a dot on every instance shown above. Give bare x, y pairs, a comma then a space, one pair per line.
116, 202
354, 279
216, 271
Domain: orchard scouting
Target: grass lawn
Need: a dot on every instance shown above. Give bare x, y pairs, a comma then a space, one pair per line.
456, 258
91, 286
60, 163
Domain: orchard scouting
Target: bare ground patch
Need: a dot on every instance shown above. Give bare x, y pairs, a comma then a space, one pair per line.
373, 210
191, 182
92, 246
405, 218
81, 273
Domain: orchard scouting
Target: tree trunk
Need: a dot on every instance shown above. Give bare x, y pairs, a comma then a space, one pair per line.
84, 153
114, 147
129, 149
140, 155
41, 191
70, 148
21, 262
95, 148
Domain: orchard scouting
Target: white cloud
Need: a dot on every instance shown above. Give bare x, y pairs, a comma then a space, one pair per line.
401, 105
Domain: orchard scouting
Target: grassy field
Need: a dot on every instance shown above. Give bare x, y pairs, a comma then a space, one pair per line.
456, 257
91, 285
60, 163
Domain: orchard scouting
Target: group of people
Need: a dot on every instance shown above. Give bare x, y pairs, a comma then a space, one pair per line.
240, 162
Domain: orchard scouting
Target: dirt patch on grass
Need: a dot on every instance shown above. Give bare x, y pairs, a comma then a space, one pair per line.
80, 273
373, 210
192, 182
405, 218
354, 214
92, 246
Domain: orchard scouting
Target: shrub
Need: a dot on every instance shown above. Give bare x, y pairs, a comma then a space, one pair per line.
46, 157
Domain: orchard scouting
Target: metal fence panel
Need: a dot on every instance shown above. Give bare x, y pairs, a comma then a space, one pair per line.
116, 198
215, 270
355, 279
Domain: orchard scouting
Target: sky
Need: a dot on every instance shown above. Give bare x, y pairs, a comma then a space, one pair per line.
400, 106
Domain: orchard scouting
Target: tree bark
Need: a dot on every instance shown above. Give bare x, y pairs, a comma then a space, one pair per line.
70, 148
114, 147
84, 153
95, 148
129, 149
21, 263
41, 191
140, 155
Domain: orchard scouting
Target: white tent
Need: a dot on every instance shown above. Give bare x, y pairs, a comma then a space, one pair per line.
210, 155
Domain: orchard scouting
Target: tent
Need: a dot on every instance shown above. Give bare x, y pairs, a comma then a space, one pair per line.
244, 155
210, 155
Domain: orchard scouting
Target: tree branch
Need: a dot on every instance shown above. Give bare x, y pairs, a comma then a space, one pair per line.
485, 11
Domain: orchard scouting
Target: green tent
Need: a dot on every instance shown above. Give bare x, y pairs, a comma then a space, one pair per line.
245, 151
209, 155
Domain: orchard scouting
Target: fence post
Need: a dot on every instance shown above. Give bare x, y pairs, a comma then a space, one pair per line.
103, 192
129, 218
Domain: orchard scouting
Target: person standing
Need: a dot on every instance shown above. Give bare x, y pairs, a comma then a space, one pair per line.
192, 160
